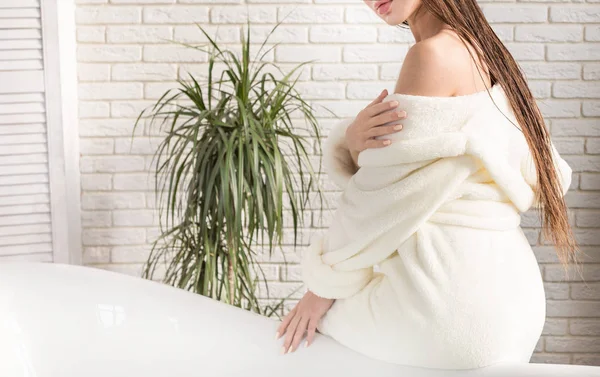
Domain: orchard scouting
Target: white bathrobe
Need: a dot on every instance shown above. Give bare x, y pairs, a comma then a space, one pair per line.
438, 211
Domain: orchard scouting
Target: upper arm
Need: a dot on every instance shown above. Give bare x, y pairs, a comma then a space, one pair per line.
427, 71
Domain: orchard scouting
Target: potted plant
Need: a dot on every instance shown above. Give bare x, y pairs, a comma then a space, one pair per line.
222, 167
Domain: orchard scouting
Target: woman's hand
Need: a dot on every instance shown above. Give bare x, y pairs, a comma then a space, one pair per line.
305, 316
367, 124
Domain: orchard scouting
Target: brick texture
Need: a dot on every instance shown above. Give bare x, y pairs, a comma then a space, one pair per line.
126, 63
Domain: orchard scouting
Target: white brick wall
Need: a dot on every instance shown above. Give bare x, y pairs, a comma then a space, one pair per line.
125, 63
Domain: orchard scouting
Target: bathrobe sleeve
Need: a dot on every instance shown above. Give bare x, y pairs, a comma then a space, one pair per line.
337, 159
326, 279
339, 167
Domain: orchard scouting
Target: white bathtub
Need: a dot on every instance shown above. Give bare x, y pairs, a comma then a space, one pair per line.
60, 320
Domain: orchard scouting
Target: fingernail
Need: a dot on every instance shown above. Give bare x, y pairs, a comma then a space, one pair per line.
289, 349
277, 335
387, 142
283, 350
306, 344
398, 126
394, 103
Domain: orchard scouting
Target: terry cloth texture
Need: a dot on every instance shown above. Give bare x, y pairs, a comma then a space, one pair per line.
438, 211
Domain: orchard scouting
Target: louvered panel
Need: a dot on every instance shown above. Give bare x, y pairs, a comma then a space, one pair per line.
24, 179
13, 129
24, 200
23, 252
31, 257
23, 139
20, 44
20, 108
12, 190
9, 65
25, 219
19, 11
21, 98
8, 170
22, 55
21, 81
23, 159
6, 232
19, 4
26, 208
25, 211
8, 34
23, 149
24, 239
20, 23
22, 118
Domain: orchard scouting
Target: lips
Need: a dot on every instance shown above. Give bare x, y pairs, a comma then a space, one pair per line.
380, 3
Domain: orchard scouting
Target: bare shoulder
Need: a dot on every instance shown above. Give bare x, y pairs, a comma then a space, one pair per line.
435, 66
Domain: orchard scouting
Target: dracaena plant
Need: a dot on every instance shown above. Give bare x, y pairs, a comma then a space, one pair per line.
222, 174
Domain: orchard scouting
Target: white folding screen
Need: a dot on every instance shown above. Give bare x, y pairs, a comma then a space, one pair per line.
38, 219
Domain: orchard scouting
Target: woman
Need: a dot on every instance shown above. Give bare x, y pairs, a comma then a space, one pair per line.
435, 205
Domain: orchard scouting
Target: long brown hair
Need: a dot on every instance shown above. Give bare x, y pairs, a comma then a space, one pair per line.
467, 20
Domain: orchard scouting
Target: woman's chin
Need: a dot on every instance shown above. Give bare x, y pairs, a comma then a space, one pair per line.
392, 19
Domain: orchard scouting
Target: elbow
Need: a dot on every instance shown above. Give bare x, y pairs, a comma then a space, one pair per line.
327, 282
